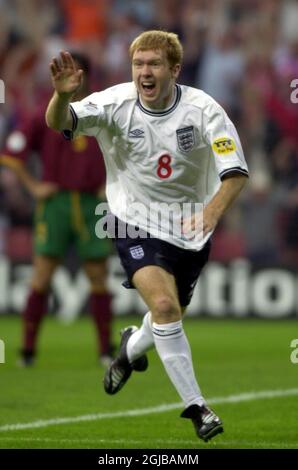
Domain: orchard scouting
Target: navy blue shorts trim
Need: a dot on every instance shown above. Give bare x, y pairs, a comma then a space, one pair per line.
185, 265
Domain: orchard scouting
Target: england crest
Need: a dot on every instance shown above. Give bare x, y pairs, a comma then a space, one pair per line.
186, 138
137, 252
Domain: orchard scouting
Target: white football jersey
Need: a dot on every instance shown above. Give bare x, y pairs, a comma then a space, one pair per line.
175, 156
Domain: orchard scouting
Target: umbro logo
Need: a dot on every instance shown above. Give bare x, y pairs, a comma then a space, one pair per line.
136, 133
91, 105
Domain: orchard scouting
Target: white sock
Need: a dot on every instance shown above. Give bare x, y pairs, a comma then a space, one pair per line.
141, 340
174, 351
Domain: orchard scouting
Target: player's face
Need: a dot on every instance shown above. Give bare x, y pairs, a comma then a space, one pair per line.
154, 77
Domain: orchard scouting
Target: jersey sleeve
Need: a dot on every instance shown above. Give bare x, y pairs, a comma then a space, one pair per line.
88, 116
21, 142
221, 135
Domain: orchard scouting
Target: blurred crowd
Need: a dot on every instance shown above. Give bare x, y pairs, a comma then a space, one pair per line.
244, 53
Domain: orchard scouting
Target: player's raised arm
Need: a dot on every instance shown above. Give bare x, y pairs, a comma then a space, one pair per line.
66, 79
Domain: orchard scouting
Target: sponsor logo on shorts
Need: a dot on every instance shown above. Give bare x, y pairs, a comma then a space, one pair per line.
137, 252
224, 145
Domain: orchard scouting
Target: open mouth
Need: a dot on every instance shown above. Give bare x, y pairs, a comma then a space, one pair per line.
148, 88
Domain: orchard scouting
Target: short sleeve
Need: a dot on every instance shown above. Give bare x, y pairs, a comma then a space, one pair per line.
221, 135
88, 117
22, 140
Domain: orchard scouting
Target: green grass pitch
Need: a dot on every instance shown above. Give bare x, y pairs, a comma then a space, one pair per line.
63, 403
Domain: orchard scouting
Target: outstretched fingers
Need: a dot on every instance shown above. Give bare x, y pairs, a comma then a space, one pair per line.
55, 66
66, 77
63, 62
67, 60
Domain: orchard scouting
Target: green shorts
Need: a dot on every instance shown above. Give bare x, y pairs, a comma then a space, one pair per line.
69, 218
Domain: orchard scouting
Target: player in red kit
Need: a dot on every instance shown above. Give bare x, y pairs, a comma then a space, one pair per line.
72, 178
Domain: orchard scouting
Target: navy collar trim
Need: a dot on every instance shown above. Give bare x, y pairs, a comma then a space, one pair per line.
151, 112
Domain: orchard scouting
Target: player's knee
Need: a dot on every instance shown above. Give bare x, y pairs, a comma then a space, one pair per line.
41, 283
98, 288
165, 310
97, 275
41, 287
97, 282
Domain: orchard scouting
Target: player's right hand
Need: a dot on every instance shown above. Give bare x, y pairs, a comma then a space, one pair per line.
65, 75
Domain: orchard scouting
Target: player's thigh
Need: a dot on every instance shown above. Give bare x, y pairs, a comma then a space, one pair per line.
88, 245
158, 289
43, 270
96, 271
52, 226
187, 272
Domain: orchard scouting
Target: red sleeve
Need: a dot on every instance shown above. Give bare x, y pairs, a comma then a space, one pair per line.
23, 140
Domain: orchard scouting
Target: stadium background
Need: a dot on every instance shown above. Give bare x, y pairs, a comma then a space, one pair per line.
245, 54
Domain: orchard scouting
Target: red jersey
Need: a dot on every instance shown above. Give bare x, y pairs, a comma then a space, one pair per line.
75, 165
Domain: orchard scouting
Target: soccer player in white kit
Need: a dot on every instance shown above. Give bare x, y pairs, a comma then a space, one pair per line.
166, 147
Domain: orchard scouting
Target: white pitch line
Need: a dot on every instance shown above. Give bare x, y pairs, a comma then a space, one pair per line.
145, 411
